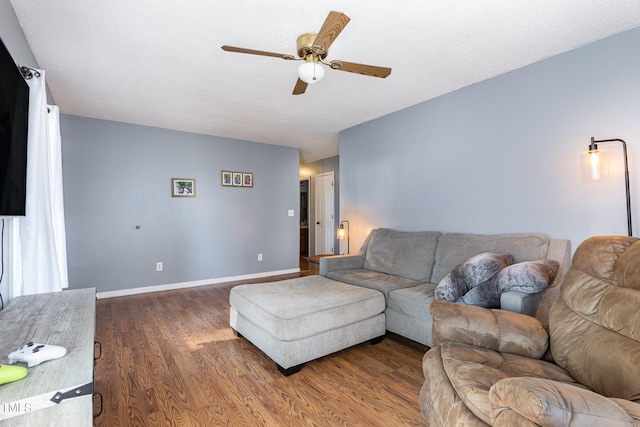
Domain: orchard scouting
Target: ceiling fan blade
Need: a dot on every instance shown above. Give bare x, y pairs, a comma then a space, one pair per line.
367, 70
331, 28
300, 87
256, 52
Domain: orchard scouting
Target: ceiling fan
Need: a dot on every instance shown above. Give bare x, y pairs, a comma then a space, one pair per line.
313, 49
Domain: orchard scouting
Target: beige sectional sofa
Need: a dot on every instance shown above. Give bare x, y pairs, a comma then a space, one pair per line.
406, 266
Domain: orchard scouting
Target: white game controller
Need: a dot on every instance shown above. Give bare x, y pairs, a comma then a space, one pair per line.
34, 354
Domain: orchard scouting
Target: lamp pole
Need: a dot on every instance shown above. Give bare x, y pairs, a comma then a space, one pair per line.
593, 146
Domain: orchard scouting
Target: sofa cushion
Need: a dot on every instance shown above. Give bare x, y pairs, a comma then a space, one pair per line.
528, 277
469, 274
402, 253
454, 248
413, 301
474, 370
545, 402
382, 282
439, 401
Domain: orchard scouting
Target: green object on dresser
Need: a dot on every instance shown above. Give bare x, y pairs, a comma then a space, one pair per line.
9, 374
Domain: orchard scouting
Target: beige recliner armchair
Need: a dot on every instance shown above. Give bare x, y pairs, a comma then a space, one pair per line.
493, 367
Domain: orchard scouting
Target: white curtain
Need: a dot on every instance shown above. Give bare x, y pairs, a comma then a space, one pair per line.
36, 244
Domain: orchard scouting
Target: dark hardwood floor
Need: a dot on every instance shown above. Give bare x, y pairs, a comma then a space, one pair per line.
170, 359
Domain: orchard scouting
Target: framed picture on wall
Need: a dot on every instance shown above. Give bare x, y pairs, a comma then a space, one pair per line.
237, 179
247, 179
227, 178
183, 187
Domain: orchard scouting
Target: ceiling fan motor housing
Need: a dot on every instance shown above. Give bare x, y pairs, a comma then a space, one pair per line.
305, 46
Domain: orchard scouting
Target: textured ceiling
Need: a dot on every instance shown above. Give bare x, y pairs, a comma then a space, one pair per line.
159, 62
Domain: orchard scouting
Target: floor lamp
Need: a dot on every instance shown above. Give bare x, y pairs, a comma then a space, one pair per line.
594, 169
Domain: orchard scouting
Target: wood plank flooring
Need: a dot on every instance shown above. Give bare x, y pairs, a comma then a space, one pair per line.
170, 359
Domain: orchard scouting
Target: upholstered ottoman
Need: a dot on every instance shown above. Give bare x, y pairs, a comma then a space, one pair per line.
298, 320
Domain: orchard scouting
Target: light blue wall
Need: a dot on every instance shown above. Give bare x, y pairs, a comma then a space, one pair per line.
118, 176
504, 155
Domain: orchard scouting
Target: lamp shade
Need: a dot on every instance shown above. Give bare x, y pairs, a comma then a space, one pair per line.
310, 72
595, 165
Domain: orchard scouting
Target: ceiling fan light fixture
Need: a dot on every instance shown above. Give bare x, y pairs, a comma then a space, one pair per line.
313, 49
311, 71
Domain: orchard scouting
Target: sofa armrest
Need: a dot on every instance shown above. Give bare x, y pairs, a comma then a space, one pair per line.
340, 262
497, 330
520, 302
547, 402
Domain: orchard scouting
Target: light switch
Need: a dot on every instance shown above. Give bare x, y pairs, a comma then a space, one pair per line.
291, 212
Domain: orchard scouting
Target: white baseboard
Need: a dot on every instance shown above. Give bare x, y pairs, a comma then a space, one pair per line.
173, 286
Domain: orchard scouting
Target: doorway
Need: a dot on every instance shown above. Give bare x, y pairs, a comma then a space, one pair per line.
304, 217
324, 210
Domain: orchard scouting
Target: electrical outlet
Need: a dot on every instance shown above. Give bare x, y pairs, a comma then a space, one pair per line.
159, 266
259, 257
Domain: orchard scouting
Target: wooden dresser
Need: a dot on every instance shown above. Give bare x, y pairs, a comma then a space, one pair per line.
66, 319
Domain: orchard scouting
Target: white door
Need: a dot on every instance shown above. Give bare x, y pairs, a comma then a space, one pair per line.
324, 213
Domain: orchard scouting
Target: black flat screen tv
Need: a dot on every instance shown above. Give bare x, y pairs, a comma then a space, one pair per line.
14, 124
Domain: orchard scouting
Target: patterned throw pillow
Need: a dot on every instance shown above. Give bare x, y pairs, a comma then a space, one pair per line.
469, 274
529, 277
